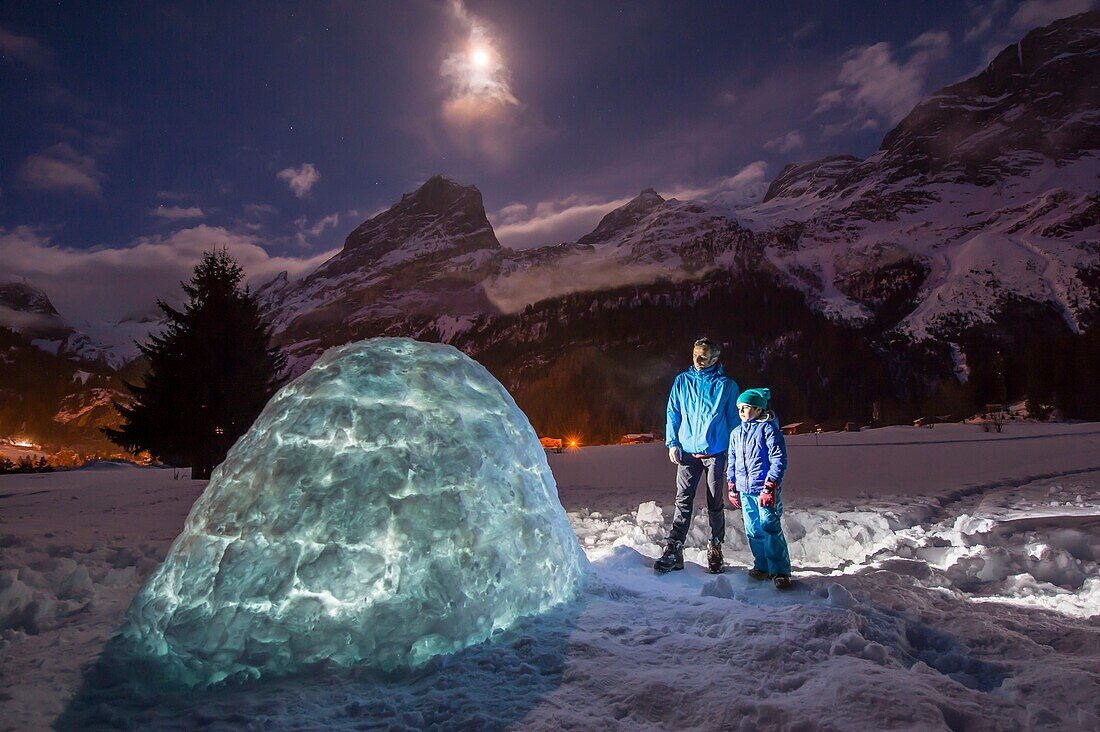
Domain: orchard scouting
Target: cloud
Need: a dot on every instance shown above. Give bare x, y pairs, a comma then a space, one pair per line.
1037, 13
109, 283
803, 31
785, 143
307, 231
726, 98
984, 17
996, 29
745, 187
872, 82
62, 168
573, 273
523, 226
24, 49
519, 226
259, 210
177, 212
480, 115
301, 179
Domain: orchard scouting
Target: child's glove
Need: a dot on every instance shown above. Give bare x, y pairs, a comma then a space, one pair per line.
734, 494
767, 496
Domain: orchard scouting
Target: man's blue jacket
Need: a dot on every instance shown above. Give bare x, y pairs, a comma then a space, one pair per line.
702, 410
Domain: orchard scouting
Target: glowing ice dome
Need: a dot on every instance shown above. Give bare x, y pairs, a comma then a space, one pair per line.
391, 504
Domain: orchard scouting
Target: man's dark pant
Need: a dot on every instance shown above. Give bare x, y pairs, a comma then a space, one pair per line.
688, 473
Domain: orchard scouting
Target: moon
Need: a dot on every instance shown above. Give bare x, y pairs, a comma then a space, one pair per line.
480, 58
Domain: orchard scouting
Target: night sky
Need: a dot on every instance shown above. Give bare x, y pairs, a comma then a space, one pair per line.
135, 135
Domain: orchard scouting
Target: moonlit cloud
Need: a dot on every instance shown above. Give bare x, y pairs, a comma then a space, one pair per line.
259, 210
999, 24
745, 187
519, 226
805, 30
61, 168
307, 231
475, 73
300, 179
481, 116
873, 82
24, 49
175, 213
785, 143
109, 283
1036, 13
522, 226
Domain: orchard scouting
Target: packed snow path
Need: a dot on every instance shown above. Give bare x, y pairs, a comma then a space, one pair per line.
934, 605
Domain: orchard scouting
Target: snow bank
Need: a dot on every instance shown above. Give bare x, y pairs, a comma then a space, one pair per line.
390, 505
1037, 545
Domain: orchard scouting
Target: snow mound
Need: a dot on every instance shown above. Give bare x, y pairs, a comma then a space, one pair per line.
390, 505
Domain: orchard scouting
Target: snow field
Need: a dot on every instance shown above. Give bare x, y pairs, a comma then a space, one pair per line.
939, 605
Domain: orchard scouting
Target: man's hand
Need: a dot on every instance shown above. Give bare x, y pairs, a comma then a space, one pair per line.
674, 454
734, 494
767, 496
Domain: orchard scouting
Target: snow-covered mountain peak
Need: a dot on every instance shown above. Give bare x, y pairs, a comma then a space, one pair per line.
810, 178
440, 215
1038, 99
624, 217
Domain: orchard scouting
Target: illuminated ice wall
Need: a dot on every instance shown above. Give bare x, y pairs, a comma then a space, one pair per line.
391, 504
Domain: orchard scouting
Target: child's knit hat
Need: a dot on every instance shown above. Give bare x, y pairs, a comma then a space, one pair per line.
756, 397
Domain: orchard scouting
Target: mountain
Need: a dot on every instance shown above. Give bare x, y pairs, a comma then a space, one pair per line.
982, 198
27, 310
417, 269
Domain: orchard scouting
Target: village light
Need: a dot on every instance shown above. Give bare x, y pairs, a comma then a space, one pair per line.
219, 431
22, 442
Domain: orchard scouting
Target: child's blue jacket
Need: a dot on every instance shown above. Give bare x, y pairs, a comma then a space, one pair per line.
757, 453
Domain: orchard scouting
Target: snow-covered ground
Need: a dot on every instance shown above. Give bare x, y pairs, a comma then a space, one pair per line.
946, 579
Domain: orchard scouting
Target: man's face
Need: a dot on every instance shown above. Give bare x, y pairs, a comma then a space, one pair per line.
702, 357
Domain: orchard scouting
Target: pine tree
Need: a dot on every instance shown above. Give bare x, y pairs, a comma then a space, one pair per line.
210, 373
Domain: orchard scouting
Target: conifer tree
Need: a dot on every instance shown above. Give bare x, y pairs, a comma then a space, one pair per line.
210, 372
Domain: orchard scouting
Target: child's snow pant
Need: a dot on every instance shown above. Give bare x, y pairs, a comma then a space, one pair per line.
688, 473
765, 534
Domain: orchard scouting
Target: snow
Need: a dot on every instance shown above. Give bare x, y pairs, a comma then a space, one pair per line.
390, 505
945, 579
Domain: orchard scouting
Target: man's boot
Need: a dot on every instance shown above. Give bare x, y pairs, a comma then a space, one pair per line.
673, 558
715, 563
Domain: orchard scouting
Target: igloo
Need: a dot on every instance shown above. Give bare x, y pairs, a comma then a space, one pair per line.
391, 504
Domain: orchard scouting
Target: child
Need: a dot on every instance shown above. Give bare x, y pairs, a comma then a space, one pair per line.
757, 461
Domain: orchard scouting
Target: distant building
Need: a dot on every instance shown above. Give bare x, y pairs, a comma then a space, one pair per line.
798, 428
931, 420
551, 443
639, 438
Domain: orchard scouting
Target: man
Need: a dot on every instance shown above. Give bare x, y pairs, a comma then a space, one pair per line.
702, 410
